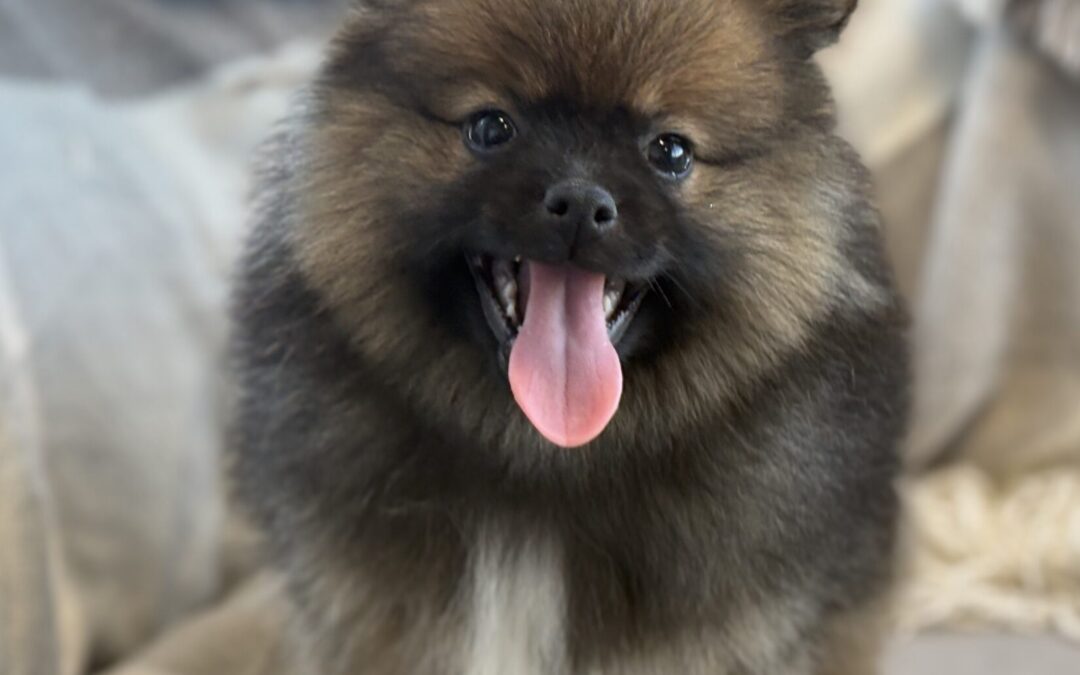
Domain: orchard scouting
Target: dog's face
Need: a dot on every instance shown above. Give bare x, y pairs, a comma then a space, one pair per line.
616, 213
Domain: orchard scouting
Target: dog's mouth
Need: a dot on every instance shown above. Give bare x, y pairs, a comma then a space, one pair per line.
559, 324
503, 286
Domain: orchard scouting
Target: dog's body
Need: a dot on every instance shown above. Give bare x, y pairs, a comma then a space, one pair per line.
736, 514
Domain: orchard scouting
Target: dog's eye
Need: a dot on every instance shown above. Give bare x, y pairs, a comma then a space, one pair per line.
671, 155
489, 129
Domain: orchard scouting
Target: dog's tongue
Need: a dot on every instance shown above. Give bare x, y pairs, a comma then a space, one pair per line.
564, 371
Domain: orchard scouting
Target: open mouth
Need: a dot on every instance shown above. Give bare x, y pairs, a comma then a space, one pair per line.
503, 285
558, 327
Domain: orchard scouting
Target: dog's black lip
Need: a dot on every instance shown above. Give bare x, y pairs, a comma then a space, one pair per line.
505, 333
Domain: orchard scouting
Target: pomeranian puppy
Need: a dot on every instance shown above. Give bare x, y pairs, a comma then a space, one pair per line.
567, 345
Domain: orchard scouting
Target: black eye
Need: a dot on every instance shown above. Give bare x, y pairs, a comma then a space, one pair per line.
489, 129
671, 155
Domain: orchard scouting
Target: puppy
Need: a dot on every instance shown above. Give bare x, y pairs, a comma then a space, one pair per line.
567, 346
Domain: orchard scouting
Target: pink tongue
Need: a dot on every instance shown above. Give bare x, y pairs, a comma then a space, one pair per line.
564, 371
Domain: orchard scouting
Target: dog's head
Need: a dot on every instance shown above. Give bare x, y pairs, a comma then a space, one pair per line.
595, 208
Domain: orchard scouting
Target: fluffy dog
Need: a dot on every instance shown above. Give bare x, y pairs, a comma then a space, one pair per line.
567, 345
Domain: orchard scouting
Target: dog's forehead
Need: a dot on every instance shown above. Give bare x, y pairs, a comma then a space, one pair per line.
655, 56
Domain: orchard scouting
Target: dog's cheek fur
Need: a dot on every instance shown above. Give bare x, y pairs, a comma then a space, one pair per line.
371, 176
368, 166
780, 222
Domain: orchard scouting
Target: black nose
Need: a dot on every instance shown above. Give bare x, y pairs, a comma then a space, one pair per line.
579, 204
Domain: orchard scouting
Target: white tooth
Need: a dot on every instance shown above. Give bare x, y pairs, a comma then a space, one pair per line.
508, 294
610, 302
613, 293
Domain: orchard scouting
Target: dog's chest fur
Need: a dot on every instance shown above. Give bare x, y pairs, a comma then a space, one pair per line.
516, 612
515, 608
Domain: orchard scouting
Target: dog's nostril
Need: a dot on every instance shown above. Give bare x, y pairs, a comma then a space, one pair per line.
559, 207
604, 215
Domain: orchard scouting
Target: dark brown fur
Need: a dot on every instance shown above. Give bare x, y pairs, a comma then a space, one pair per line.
741, 502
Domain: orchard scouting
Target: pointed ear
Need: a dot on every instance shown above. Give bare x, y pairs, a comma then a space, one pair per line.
811, 24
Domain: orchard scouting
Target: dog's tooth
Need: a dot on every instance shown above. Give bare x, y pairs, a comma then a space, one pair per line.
610, 303
508, 291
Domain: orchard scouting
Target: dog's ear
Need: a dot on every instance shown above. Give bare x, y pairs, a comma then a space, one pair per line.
811, 24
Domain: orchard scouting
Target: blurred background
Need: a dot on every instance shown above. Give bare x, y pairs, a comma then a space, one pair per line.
127, 130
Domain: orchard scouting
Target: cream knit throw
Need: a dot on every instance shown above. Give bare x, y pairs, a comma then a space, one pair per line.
991, 554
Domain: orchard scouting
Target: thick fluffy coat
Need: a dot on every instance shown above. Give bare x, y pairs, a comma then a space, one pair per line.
737, 514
